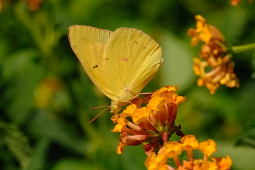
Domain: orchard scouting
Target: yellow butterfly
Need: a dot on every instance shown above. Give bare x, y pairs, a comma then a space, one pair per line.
120, 63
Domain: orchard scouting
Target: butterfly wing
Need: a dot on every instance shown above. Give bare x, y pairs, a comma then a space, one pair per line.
132, 59
88, 43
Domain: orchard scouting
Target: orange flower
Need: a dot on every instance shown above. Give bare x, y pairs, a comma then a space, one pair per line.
215, 67
121, 123
150, 125
206, 165
171, 150
201, 33
224, 163
236, 2
154, 162
207, 147
189, 141
34, 5
1, 5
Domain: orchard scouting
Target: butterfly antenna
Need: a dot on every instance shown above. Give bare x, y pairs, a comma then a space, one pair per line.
99, 114
98, 107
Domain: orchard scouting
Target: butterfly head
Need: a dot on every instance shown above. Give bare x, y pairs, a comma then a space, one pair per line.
115, 106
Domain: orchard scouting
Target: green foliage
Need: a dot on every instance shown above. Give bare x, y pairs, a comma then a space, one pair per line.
176, 58
46, 97
39, 154
16, 142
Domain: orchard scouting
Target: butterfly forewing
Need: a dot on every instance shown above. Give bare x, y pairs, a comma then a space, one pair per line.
88, 43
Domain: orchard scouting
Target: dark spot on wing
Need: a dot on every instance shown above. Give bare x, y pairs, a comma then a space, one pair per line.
95, 66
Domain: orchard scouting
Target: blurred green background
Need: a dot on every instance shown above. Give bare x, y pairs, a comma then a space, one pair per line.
46, 97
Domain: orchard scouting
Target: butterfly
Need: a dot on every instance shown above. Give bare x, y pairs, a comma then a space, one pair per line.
120, 63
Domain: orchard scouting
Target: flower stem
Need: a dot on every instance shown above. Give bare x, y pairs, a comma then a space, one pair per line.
241, 48
165, 137
190, 155
177, 161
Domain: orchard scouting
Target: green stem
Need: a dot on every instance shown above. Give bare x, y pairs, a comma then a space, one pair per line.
241, 48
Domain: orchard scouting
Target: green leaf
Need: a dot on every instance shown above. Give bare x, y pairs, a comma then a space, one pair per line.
228, 25
41, 28
23, 76
73, 164
133, 158
60, 131
198, 6
253, 65
242, 157
38, 157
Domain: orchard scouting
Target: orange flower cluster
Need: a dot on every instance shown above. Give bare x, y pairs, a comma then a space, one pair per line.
1, 4
236, 2
188, 143
33, 5
214, 67
151, 125
45, 92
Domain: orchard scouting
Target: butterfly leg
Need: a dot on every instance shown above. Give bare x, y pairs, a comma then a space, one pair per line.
99, 114
145, 93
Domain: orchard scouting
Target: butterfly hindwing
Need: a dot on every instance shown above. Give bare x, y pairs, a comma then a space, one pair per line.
133, 58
